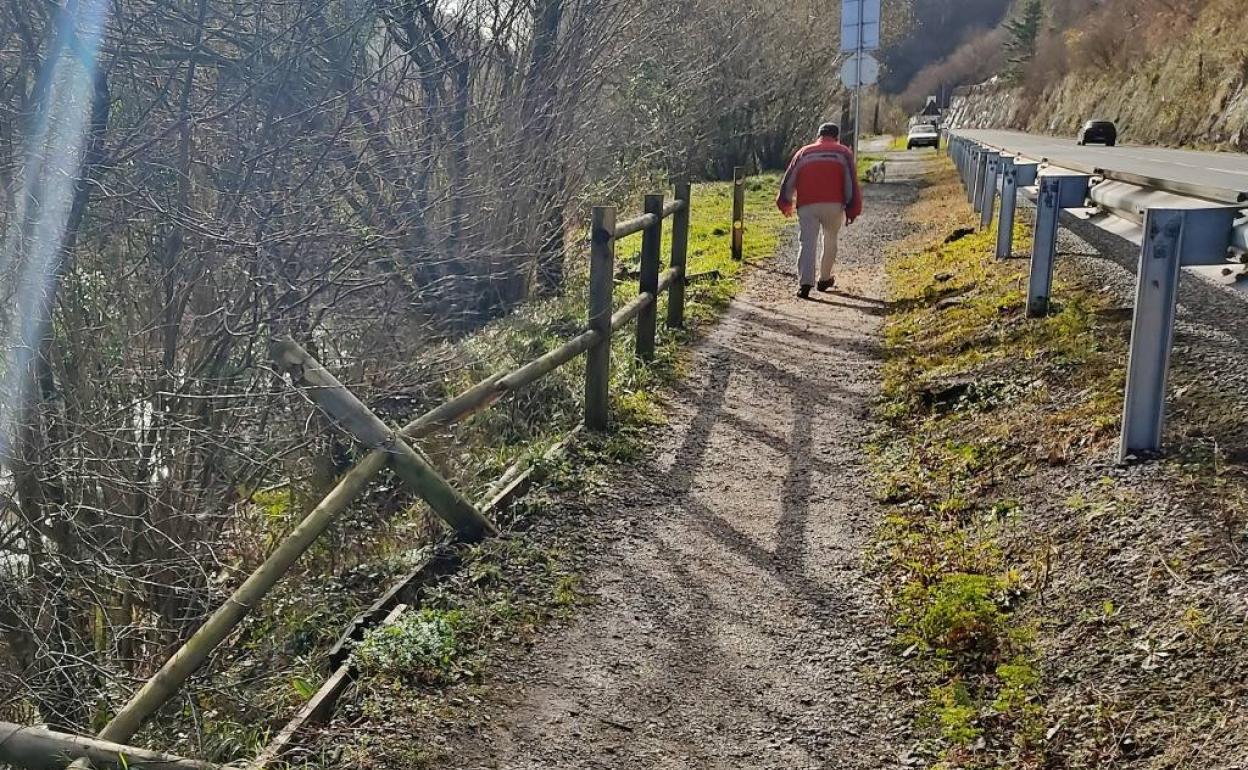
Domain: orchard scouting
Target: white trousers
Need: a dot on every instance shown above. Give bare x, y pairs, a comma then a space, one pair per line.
813, 219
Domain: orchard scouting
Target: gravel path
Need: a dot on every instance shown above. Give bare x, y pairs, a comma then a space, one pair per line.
733, 625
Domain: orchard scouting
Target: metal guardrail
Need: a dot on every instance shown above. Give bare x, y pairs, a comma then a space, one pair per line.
1177, 225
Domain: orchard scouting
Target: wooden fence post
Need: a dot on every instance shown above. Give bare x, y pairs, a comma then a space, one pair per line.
738, 213
680, 255
357, 419
651, 240
601, 292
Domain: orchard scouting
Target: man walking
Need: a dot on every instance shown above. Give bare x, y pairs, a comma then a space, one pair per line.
822, 184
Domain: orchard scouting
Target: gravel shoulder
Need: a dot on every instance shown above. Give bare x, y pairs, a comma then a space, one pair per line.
731, 621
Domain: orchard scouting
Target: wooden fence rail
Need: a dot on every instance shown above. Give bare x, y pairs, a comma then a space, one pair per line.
43, 749
389, 447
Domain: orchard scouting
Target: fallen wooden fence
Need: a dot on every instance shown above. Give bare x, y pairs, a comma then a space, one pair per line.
393, 448
43, 749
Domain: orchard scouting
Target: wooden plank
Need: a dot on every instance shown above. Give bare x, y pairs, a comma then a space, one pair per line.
191, 655
442, 561
535, 370
519, 477
633, 226
630, 311
318, 709
510, 486
637, 224
474, 399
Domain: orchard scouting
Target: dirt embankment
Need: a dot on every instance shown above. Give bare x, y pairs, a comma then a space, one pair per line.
1192, 90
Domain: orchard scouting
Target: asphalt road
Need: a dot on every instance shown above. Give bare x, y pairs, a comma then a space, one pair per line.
1220, 175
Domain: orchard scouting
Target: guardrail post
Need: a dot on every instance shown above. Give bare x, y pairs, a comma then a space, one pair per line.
680, 256
968, 161
988, 189
1152, 332
651, 239
738, 213
1172, 238
980, 170
601, 293
1056, 193
1009, 204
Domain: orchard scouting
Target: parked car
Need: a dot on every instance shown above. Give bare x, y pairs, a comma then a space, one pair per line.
1099, 132
923, 135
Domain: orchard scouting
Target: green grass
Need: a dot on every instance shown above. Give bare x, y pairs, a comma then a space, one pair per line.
967, 378
710, 223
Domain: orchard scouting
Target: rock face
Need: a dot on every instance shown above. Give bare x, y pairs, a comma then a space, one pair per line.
1191, 91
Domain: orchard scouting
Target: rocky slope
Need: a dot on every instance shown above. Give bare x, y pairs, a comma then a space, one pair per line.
1190, 91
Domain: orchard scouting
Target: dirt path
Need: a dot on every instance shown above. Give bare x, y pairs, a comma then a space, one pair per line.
733, 625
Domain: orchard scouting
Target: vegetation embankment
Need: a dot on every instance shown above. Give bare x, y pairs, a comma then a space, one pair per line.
1056, 610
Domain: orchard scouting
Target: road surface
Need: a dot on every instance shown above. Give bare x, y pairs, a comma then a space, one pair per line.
1223, 174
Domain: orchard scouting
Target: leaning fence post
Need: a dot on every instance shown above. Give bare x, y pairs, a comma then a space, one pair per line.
179, 667
601, 290
366, 427
680, 256
738, 213
651, 239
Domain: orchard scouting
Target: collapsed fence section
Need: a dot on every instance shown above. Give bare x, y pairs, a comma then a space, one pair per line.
396, 449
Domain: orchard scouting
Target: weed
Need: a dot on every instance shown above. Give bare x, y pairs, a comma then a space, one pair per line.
957, 617
956, 713
423, 645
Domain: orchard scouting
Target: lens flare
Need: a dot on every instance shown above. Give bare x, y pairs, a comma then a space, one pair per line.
30, 257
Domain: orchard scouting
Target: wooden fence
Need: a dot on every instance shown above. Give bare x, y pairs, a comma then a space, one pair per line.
395, 448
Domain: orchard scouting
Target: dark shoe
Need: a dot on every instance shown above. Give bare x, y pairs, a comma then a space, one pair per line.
827, 285
804, 292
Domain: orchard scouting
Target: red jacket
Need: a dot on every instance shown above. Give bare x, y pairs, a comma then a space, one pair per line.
823, 172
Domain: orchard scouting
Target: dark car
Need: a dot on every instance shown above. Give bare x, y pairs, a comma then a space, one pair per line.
1099, 132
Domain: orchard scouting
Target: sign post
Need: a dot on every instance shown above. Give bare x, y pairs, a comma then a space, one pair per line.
860, 33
